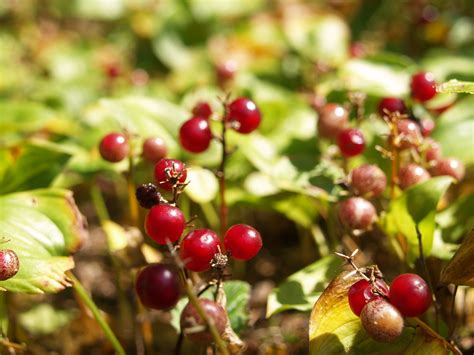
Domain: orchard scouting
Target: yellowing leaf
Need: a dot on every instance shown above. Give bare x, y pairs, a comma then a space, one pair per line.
460, 269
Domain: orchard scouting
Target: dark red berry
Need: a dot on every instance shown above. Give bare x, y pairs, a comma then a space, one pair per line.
391, 104
198, 248
362, 292
423, 86
449, 167
244, 115
332, 120
202, 109
154, 149
9, 264
190, 321
351, 142
114, 147
112, 70
433, 150
148, 195
195, 135
357, 213
410, 294
382, 321
170, 172
412, 174
409, 133
368, 180
242, 241
164, 223
226, 71
158, 286
427, 125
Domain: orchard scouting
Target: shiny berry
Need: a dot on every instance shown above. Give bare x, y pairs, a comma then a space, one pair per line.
9, 264
412, 174
433, 150
198, 248
190, 321
357, 213
391, 104
410, 294
368, 180
164, 223
244, 115
362, 292
169, 172
382, 321
114, 147
147, 195
409, 133
158, 286
202, 109
195, 135
449, 167
242, 241
332, 120
427, 125
423, 86
351, 142
154, 149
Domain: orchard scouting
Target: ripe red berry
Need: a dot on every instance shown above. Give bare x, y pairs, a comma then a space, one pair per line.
362, 292
382, 321
195, 135
244, 115
198, 248
449, 167
423, 86
427, 125
351, 142
368, 180
332, 120
410, 134
164, 223
242, 241
158, 286
412, 174
357, 213
410, 294
169, 172
391, 104
114, 147
190, 320
433, 150
154, 149
9, 264
202, 109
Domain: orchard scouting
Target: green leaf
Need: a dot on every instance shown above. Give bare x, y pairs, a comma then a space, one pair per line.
455, 86
44, 319
302, 289
238, 295
457, 219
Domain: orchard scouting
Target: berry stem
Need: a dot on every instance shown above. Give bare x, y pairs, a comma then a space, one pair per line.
452, 325
221, 172
132, 200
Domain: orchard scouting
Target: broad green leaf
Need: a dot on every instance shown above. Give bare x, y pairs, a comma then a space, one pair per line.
446, 65
335, 329
44, 319
203, 185
455, 86
460, 269
457, 219
302, 289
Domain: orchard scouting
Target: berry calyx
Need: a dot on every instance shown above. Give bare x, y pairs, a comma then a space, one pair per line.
158, 286
423, 86
357, 213
202, 109
114, 147
410, 294
391, 105
154, 149
351, 142
242, 241
449, 167
409, 133
169, 173
9, 264
190, 321
382, 321
363, 292
244, 115
198, 248
412, 174
332, 120
164, 223
368, 180
195, 135
148, 195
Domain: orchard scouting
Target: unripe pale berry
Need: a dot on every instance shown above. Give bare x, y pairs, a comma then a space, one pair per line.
114, 147
190, 321
9, 264
382, 321
357, 213
410, 134
427, 125
412, 174
332, 120
449, 167
368, 180
433, 150
154, 149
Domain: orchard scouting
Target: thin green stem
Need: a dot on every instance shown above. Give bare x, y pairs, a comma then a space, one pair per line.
132, 201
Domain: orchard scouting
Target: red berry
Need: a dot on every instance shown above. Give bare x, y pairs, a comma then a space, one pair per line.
9, 264
368, 180
195, 135
114, 147
423, 86
198, 248
450, 167
433, 150
242, 241
427, 125
410, 134
112, 70
357, 213
391, 104
410, 294
357, 50
226, 71
244, 115
190, 320
382, 321
412, 174
332, 120
362, 293
158, 286
351, 142
164, 223
202, 109
169, 172
154, 149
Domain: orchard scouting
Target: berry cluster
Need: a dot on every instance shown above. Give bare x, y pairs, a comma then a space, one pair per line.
9, 264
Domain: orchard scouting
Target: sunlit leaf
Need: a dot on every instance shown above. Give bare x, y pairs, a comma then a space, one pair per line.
203, 185
455, 86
